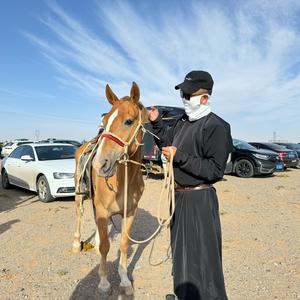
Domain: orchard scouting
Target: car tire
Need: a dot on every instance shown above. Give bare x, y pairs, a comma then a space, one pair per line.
43, 189
244, 168
5, 181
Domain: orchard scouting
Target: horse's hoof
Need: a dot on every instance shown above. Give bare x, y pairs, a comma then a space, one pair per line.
76, 247
127, 290
104, 291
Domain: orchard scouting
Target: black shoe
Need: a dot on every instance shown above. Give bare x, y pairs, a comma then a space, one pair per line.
171, 297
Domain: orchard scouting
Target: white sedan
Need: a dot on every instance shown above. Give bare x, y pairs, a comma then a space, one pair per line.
47, 169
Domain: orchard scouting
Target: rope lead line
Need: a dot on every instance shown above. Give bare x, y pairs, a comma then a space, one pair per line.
168, 188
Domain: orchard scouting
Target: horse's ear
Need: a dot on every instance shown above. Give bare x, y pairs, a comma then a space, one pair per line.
111, 97
135, 92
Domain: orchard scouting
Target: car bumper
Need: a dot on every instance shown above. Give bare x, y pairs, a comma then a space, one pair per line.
267, 167
291, 164
62, 187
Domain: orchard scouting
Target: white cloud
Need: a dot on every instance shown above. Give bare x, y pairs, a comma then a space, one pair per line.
252, 52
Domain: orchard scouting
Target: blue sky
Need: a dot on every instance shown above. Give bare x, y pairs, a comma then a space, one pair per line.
56, 58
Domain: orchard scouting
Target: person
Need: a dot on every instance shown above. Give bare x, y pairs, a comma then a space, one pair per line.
101, 127
201, 143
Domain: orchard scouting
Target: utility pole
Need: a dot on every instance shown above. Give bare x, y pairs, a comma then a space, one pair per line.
37, 134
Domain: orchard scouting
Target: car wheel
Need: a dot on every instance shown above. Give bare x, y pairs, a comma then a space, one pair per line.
43, 189
5, 181
244, 168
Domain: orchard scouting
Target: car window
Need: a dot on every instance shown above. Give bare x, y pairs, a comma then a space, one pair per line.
8, 144
17, 153
55, 152
27, 150
277, 147
293, 146
239, 144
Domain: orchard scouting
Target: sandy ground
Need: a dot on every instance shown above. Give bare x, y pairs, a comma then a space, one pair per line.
261, 229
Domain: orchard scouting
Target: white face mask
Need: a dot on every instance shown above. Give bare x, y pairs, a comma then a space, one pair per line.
194, 109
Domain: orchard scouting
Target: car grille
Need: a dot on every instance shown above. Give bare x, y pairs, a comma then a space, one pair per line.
66, 190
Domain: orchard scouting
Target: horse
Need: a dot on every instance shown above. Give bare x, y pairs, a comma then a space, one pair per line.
123, 133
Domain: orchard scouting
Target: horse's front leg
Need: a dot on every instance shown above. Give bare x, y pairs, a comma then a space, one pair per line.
104, 285
125, 285
76, 247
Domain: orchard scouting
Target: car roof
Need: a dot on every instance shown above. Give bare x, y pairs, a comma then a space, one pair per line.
52, 144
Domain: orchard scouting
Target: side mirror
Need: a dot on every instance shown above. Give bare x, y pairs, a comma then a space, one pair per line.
26, 158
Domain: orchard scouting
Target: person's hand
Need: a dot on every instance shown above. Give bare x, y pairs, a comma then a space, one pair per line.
167, 151
153, 114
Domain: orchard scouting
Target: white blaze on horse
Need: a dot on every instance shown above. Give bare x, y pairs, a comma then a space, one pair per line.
123, 133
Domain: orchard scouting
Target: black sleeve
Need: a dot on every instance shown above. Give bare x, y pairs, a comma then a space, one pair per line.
165, 133
217, 146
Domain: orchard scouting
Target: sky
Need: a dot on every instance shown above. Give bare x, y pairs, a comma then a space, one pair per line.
57, 56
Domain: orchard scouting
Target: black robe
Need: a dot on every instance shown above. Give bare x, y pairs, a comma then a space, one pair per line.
203, 147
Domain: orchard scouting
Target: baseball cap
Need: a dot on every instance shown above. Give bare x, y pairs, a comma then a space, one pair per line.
194, 81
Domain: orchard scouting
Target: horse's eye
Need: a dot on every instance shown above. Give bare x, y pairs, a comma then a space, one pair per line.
128, 122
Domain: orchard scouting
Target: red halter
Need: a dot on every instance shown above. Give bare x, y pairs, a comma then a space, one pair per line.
109, 136
113, 138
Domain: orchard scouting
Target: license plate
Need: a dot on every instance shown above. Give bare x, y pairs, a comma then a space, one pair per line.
294, 160
279, 167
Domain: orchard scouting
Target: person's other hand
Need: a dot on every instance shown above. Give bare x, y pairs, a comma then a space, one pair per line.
167, 151
153, 114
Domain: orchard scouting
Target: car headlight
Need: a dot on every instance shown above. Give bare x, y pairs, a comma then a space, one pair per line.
261, 156
58, 175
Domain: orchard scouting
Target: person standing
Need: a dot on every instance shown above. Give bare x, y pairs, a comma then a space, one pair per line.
201, 143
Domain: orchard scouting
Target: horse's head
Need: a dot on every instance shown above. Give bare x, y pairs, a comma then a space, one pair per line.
122, 129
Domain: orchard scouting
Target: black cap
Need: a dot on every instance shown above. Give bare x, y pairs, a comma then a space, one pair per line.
194, 81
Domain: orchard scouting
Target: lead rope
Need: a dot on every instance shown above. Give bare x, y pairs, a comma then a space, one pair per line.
168, 188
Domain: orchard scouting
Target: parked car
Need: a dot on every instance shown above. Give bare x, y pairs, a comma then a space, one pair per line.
151, 153
47, 169
57, 141
248, 161
10, 146
293, 146
288, 156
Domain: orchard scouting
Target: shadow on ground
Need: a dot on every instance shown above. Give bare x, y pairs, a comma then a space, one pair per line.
7, 225
14, 197
144, 225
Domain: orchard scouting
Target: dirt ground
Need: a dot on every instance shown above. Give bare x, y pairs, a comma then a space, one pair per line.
261, 229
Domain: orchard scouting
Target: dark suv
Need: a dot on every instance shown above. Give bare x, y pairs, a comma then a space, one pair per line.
248, 161
150, 152
288, 156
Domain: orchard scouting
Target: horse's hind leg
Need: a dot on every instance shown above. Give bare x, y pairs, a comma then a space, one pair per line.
76, 247
125, 285
104, 285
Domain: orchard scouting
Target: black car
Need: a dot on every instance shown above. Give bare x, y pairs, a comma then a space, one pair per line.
248, 161
288, 156
293, 146
150, 151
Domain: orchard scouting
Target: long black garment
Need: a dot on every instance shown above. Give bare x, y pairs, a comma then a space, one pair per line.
203, 147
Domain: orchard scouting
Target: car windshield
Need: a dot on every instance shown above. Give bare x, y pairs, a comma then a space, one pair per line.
294, 146
277, 147
243, 145
55, 152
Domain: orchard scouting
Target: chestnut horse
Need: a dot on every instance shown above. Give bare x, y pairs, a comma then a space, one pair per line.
123, 125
